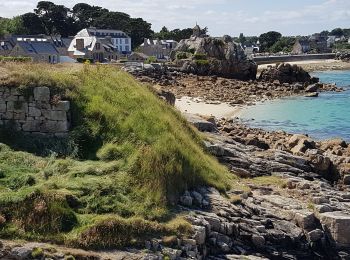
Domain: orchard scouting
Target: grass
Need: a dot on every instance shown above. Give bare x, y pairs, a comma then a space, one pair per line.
267, 181
129, 157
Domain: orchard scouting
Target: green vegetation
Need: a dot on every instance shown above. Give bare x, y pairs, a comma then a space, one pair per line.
181, 55
112, 181
15, 59
151, 59
200, 56
339, 46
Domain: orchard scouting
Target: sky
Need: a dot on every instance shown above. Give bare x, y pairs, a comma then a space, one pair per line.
251, 17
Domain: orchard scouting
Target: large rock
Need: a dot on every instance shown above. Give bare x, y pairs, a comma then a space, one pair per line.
286, 73
337, 227
211, 56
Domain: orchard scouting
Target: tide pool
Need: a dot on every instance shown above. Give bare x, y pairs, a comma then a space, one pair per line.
327, 116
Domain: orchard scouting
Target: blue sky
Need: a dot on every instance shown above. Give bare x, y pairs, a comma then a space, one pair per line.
252, 17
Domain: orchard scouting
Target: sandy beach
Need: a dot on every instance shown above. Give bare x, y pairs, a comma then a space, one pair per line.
315, 65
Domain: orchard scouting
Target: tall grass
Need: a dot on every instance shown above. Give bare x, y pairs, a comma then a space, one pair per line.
136, 154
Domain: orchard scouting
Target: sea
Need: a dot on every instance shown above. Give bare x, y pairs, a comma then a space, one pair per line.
325, 117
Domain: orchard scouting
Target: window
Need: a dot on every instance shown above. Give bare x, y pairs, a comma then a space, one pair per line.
126, 41
126, 48
98, 46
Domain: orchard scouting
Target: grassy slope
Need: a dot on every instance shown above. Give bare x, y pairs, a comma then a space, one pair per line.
133, 156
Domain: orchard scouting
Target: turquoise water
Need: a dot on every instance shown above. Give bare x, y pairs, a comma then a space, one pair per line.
327, 116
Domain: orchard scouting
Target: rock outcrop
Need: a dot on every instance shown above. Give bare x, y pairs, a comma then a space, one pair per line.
286, 73
343, 56
211, 56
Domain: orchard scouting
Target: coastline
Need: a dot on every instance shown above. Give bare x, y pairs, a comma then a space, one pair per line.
315, 65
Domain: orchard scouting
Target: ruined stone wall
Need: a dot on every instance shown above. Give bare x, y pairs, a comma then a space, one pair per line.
34, 114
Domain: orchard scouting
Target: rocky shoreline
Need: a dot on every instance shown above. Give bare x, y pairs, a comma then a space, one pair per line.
231, 91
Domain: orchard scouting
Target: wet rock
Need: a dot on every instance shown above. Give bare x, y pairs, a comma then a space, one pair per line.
313, 94
312, 88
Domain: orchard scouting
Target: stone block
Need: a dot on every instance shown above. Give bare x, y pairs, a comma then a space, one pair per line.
19, 116
14, 91
8, 115
337, 226
33, 111
42, 94
62, 105
17, 106
10, 98
305, 219
55, 115
54, 126
2, 107
32, 126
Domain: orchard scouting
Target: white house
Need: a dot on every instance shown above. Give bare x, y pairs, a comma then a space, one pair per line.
120, 40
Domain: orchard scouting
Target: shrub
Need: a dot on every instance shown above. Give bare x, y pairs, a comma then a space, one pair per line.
15, 59
85, 61
37, 253
200, 56
151, 59
182, 55
202, 62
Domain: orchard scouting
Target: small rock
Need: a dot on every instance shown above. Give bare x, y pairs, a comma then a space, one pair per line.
21, 253
315, 235
346, 179
258, 241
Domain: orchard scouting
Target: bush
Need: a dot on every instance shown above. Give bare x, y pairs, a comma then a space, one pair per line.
200, 56
15, 59
151, 59
202, 62
182, 55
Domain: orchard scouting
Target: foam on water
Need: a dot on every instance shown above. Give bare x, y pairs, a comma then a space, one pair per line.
327, 116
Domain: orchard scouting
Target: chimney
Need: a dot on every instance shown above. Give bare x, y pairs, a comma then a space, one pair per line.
79, 44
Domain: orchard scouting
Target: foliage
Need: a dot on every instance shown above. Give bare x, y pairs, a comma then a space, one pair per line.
151, 59
242, 39
337, 32
144, 156
284, 44
202, 62
200, 56
268, 39
339, 46
181, 55
176, 34
15, 59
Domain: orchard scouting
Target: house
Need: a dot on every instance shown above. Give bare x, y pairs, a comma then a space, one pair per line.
331, 41
301, 46
250, 49
318, 43
5, 47
137, 57
61, 44
160, 49
120, 40
39, 49
97, 49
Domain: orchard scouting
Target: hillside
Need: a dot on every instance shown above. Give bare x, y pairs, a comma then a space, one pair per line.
113, 180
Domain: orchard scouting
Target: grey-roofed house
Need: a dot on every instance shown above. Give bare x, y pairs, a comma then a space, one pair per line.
39, 49
87, 46
301, 46
5, 47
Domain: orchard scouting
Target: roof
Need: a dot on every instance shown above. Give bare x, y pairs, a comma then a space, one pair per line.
196, 27
38, 47
102, 33
140, 54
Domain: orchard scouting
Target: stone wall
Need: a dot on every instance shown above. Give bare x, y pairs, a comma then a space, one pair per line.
34, 114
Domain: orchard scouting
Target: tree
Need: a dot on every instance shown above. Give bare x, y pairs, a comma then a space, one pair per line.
242, 39
32, 24
85, 14
284, 44
324, 33
268, 39
337, 32
139, 29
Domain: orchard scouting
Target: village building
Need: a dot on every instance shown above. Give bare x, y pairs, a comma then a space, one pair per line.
5, 47
120, 40
301, 46
97, 49
160, 49
37, 48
